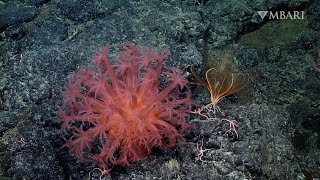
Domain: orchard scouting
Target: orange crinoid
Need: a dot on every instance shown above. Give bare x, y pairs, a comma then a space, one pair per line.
220, 84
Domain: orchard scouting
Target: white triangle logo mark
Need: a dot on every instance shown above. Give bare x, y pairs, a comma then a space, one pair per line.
262, 14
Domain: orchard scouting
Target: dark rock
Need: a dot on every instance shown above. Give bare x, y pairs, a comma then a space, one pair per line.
273, 54
34, 2
219, 8
8, 120
49, 68
213, 144
305, 40
9, 51
278, 4
15, 32
34, 156
227, 20
37, 58
313, 13
246, 58
223, 168
51, 32
83, 10
253, 168
12, 14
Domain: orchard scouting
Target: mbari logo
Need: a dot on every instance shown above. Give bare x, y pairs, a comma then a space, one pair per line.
281, 14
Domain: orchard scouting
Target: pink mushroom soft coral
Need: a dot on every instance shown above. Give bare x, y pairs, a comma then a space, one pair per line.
116, 113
